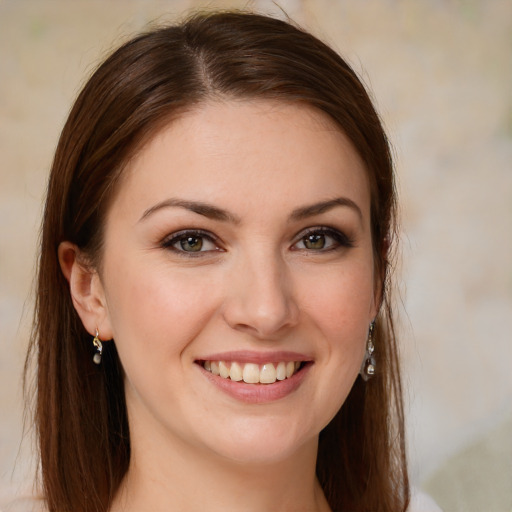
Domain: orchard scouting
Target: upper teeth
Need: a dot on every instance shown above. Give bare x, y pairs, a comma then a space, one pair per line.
252, 373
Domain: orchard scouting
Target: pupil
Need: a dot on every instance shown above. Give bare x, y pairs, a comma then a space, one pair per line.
315, 241
191, 243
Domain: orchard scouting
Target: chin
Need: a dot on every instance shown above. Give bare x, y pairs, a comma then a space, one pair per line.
264, 442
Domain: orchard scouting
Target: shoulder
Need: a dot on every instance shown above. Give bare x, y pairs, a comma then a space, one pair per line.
421, 502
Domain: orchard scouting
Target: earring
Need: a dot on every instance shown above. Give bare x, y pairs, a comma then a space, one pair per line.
368, 366
99, 348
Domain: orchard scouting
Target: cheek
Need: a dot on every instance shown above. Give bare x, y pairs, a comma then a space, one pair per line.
155, 317
157, 311
341, 310
341, 302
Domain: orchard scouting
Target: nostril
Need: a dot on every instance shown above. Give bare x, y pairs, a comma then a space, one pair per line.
259, 300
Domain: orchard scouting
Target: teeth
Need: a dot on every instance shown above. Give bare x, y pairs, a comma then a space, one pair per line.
223, 370
281, 371
268, 374
236, 372
252, 373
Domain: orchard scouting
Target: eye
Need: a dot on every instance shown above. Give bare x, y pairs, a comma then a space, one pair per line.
190, 242
322, 239
315, 241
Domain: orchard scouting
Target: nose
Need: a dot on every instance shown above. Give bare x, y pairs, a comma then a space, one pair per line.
260, 299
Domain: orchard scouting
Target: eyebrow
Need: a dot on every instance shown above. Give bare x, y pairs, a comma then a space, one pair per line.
324, 206
215, 213
205, 209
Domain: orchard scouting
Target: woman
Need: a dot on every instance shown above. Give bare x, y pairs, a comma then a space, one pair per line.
213, 323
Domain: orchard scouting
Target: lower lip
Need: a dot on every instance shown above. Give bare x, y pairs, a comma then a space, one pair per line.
258, 393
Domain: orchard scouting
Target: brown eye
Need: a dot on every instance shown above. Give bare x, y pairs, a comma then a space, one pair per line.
323, 239
314, 241
191, 243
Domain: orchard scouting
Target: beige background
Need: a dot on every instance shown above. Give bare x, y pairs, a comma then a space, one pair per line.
442, 75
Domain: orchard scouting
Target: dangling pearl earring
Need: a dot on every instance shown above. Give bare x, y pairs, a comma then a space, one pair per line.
369, 364
99, 348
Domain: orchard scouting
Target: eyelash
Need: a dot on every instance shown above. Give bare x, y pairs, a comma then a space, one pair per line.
341, 240
170, 241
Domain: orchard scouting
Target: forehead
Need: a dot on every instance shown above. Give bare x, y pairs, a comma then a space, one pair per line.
227, 151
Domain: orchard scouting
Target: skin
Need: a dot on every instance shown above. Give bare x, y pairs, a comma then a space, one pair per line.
256, 286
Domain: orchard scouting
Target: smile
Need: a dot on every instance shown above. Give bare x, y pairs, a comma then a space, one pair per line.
252, 373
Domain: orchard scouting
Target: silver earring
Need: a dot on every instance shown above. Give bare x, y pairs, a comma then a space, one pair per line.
99, 348
368, 366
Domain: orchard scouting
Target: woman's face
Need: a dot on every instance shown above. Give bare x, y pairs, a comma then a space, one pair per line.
239, 242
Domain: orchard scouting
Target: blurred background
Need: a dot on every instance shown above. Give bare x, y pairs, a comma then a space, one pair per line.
441, 75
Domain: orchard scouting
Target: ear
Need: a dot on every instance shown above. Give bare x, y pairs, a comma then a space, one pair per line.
86, 288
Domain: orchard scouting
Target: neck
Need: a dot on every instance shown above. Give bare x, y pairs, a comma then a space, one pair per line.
179, 478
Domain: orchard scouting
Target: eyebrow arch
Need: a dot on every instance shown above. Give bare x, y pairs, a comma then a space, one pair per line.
207, 210
324, 206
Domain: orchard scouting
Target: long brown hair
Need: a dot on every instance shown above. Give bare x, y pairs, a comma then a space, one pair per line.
80, 411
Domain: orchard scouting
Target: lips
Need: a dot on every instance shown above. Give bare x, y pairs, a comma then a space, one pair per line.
252, 373
256, 377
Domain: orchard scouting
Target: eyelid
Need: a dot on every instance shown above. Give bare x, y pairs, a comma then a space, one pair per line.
341, 239
171, 239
